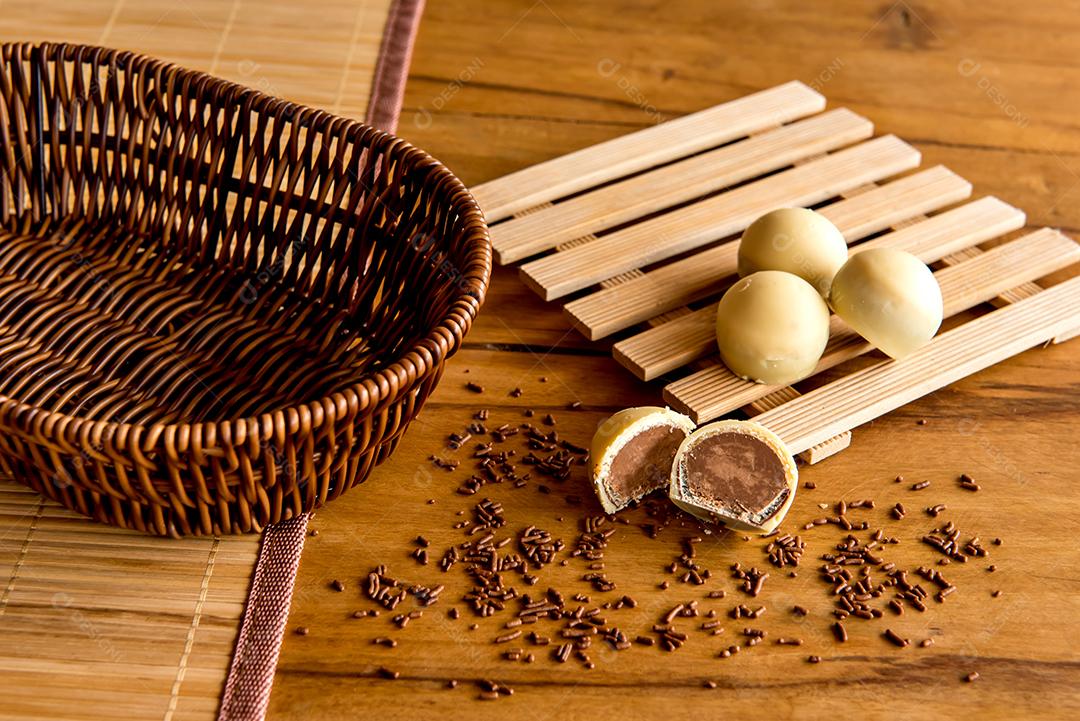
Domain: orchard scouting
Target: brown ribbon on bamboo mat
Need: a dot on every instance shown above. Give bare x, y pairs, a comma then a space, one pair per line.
392, 68
251, 674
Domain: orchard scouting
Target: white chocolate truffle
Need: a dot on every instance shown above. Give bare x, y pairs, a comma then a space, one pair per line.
890, 298
772, 327
738, 473
632, 453
796, 241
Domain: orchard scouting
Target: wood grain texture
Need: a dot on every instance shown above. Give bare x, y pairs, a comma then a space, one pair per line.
537, 94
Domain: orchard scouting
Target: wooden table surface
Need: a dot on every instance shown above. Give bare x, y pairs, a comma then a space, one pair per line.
991, 89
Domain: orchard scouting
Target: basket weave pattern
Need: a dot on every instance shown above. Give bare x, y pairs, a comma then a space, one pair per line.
218, 309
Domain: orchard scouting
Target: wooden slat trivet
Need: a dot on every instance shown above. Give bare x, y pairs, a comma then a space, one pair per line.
647, 238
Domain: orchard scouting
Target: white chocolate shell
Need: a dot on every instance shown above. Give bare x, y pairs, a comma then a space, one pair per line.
890, 298
737, 473
772, 327
796, 241
632, 452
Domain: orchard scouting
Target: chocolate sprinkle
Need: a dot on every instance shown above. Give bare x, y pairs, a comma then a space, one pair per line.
504, 562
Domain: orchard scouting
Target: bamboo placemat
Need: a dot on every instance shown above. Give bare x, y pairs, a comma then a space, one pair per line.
101, 623
98, 623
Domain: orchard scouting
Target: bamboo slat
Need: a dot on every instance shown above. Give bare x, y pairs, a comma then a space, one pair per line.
691, 227
864, 395
665, 187
647, 148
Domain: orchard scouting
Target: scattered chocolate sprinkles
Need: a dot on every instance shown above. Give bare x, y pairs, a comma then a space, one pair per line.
785, 550
505, 564
947, 540
753, 580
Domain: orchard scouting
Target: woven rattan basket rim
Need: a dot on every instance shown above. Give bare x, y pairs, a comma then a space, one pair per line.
372, 389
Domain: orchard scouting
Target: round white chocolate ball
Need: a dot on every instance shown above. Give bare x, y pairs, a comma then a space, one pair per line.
772, 327
797, 241
890, 298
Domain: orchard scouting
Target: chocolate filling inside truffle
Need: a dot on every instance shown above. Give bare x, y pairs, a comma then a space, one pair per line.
643, 464
738, 472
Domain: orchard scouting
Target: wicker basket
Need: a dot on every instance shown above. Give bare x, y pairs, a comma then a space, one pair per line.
217, 309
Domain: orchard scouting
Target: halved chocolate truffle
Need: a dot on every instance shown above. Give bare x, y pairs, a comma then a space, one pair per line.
738, 473
632, 453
